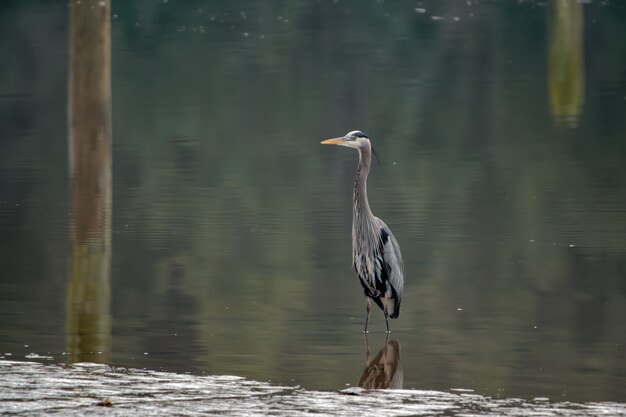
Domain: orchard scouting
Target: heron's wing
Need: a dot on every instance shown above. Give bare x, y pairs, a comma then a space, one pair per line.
391, 254
393, 259
390, 250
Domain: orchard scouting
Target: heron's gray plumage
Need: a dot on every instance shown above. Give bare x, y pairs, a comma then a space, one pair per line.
375, 250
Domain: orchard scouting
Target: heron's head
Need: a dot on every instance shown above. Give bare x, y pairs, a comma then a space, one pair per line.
355, 139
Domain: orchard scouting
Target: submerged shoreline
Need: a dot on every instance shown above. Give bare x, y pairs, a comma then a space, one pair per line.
32, 388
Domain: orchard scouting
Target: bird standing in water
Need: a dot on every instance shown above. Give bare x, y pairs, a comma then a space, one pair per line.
375, 251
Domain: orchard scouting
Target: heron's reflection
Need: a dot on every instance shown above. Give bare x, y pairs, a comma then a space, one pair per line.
384, 371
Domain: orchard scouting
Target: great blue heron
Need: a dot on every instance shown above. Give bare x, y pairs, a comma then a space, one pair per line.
375, 251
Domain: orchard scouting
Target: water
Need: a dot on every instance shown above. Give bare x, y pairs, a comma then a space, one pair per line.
221, 243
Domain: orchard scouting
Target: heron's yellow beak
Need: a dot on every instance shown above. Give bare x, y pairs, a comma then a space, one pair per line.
333, 141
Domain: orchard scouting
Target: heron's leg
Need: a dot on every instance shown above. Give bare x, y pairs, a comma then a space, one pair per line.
387, 322
368, 309
367, 351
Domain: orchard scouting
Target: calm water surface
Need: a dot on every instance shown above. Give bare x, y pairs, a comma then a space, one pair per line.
501, 127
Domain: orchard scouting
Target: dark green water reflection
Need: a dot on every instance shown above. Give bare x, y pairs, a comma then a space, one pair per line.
502, 129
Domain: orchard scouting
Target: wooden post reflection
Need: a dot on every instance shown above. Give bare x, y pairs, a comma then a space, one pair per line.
566, 73
88, 321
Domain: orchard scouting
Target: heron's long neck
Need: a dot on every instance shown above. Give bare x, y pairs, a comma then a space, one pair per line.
362, 210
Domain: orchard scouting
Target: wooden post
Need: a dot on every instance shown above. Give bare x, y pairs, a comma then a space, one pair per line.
88, 321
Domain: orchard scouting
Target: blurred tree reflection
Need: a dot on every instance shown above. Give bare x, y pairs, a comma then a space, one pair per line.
88, 300
566, 72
